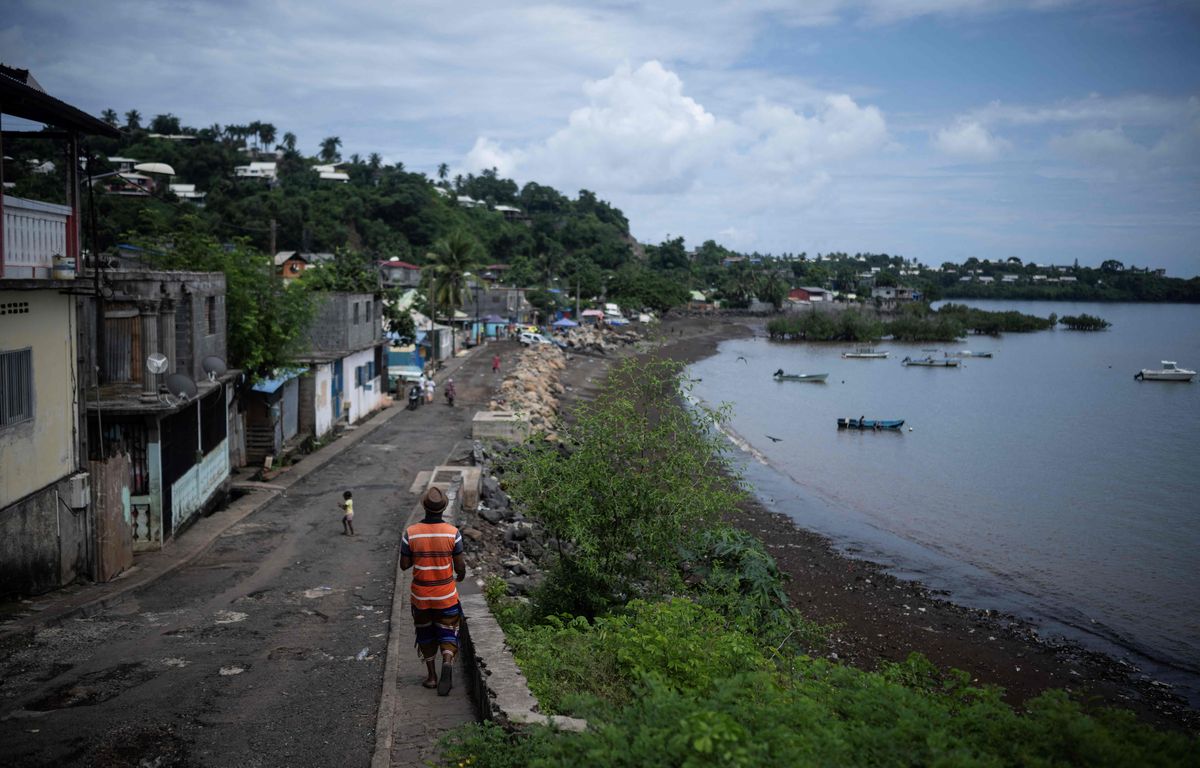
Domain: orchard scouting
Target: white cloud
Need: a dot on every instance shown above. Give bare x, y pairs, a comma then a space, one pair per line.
638, 131
969, 140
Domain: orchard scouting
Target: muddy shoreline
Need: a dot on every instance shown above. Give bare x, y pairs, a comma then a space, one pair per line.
877, 617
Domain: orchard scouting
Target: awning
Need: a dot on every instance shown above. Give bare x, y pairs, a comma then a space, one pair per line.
565, 323
282, 377
591, 313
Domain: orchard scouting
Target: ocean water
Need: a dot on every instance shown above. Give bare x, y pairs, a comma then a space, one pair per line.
1045, 481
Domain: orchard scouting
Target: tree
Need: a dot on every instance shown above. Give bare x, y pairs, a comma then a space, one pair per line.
329, 149
133, 120
445, 267
443, 170
289, 141
1111, 265
166, 124
266, 134
109, 116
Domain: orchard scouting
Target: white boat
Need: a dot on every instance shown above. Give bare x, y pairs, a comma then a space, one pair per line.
864, 353
968, 353
1169, 372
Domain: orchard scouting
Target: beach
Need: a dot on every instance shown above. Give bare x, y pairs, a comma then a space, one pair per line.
876, 618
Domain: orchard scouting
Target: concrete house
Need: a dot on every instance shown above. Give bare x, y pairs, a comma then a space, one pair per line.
47, 506
399, 274
346, 364
159, 393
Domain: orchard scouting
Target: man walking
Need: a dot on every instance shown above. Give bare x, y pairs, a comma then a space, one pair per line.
434, 550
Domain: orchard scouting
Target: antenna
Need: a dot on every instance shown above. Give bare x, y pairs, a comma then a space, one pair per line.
181, 386
156, 363
213, 366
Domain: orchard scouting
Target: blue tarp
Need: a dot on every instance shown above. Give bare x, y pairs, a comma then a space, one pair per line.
565, 323
282, 376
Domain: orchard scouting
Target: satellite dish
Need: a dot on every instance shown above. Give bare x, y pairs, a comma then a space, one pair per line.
181, 386
213, 366
156, 363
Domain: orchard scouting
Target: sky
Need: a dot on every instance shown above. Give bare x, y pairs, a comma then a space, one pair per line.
1051, 130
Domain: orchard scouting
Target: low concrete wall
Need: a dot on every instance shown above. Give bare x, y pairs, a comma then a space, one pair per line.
499, 425
43, 544
498, 686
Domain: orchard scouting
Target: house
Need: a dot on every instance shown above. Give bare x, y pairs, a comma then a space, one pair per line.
987, 279
469, 202
510, 213
187, 192
507, 303
330, 172
345, 365
399, 274
130, 184
257, 170
1069, 279
894, 293
48, 510
158, 392
291, 264
1009, 278
809, 293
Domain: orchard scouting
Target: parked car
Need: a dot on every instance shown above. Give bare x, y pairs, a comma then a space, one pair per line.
528, 338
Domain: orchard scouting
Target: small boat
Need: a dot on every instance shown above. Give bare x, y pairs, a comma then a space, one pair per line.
968, 353
864, 353
1169, 372
870, 425
931, 362
781, 376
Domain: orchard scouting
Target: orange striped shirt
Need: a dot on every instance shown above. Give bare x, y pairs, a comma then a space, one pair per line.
432, 547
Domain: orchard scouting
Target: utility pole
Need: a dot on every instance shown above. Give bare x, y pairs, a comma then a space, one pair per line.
272, 238
577, 297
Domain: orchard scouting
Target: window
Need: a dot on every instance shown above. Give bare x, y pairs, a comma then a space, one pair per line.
370, 311
358, 375
16, 387
356, 313
210, 314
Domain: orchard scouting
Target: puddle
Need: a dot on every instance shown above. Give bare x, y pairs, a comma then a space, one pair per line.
317, 592
230, 671
230, 617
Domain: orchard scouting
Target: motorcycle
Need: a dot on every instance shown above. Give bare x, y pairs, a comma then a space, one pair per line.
414, 397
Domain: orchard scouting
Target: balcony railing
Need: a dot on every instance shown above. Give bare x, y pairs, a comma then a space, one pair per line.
35, 233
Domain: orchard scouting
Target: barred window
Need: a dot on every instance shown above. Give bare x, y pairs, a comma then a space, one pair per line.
16, 387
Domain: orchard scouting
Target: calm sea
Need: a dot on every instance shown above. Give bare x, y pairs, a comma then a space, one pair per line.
1045, 481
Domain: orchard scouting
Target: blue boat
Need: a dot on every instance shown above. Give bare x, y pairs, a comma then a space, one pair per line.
870, 425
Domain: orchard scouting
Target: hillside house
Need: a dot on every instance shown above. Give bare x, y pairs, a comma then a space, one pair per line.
399, 274
291, 264
266, 170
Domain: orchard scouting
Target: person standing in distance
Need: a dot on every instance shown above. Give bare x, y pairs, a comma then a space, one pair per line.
347, 507
434, 550
495, 363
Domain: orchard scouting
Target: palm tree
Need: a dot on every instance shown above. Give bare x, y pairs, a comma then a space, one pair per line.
446, 266
109, 116
289, 141
266, 134
329, 149
443, 171
133, 120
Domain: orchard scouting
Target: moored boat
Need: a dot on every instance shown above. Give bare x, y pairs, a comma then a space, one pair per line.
968, 353
870, 425
781, 376
1169, 372
864, 353
931, 362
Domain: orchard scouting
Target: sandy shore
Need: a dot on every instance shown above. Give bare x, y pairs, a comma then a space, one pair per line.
878, 618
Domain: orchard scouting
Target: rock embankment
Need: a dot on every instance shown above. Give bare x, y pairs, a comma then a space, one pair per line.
534, 387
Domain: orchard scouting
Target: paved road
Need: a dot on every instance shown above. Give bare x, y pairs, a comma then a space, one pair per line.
268, 650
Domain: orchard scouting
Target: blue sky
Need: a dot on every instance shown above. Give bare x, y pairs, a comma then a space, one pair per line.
1052, 130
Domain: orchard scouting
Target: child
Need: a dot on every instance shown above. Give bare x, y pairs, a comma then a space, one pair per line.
347, 506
